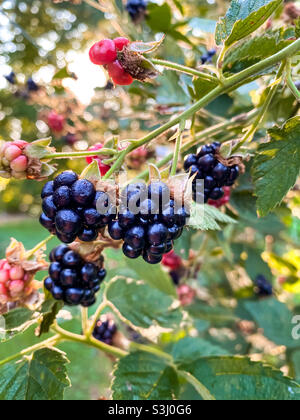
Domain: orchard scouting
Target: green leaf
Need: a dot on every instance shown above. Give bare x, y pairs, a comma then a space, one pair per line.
275, 319
156, 277
213, 314
50, 309
170, 92
239, 379
16, 322
159, 18
183, 245
205, 217
143, 305
203, 86
191, 348
277, 165
144, 376
146, 47
252, 51
42, 377
243, 18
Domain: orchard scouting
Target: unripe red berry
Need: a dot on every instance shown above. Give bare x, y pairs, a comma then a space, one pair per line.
172, 260
12, 152
16, 273
118, 74
186, 294
103, 168
56, 121
19, 164
16, 287
3, 290
4, 276
120, 43
103, 52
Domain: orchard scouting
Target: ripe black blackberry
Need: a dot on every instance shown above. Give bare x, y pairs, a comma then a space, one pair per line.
208, 56
214, 173
148, 221
73, 280
136, 9
263, 287
105, 330
70, 208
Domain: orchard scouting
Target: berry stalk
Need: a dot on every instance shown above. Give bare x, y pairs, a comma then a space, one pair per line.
89, 153
290, 81
228, 85
184, 69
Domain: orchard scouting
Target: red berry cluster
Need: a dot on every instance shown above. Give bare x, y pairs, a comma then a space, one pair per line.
15, 283
105, 53
13, 162
103, 168
56, 122
222, 201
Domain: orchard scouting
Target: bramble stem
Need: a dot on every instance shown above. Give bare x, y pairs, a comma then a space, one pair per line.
228, 84
262, 113
89, 341
183, 69
90, 153
290, 81
177, 151
47, 343
207, 133
95, 318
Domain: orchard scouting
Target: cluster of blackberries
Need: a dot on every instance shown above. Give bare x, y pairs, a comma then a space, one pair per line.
105, 330
263, 287
214, 173
73, 280
150, 229
136, 9
70, 208
207, 58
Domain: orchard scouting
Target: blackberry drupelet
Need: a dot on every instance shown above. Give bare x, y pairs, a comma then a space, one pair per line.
148, 221
215, 174
70, 208
73, 280
105, 330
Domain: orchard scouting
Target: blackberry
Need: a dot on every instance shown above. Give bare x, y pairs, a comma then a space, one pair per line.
105, 330
151, 230
208, 56
11, 78
215, 174
263, 287
71, 279
70, 208
31, 85
136, 9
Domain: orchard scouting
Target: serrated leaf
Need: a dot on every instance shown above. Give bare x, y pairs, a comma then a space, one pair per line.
275, 319
49, 309
255, 49
156, 277
42, 377
243, 18
191, 348
277, 165
239, 379
206, 217
146, 47
39, 148
159, 18
143, 305
144, 376
16, 322
91, 172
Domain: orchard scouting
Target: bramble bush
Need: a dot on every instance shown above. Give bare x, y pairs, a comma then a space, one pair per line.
172, 190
